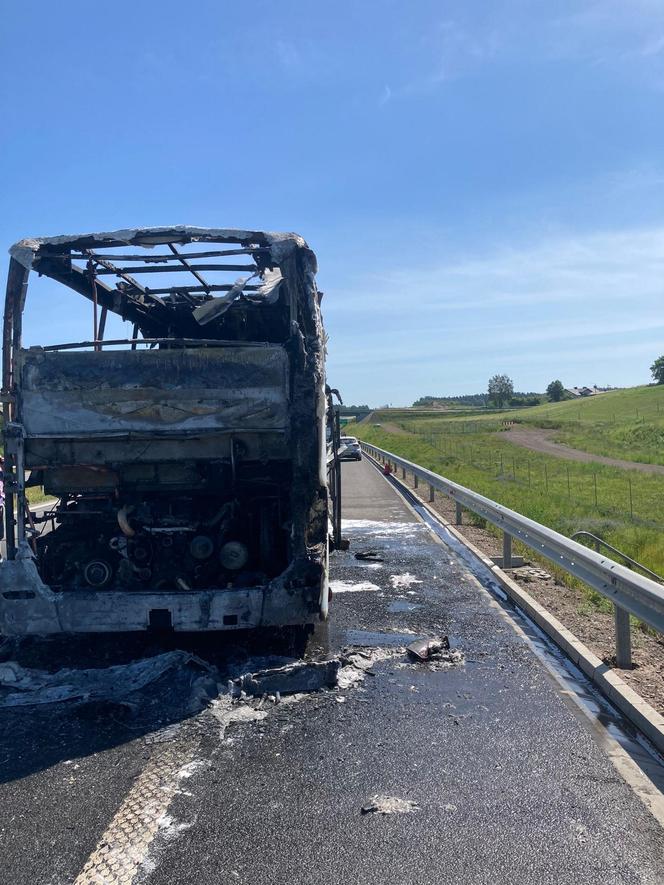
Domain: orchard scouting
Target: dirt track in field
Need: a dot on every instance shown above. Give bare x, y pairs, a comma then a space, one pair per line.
538, 439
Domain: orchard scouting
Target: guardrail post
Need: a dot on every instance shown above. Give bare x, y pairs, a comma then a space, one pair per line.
507, 550
403, 473
623, 639
459, 514
432, 493
414, 480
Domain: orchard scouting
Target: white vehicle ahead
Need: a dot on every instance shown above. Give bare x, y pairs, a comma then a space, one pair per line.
349, 449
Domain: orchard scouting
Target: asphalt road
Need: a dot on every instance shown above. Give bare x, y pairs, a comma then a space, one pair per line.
508, 781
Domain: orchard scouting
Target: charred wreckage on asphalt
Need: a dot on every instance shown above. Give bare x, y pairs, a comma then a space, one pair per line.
189, 461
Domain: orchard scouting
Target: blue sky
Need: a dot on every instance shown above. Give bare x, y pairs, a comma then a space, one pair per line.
483, 182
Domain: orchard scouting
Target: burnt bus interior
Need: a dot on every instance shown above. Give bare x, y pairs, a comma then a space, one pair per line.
191, 454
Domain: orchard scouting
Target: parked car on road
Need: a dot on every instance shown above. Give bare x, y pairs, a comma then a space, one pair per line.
349, 449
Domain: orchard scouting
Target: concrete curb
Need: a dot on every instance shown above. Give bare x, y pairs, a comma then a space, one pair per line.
631, 704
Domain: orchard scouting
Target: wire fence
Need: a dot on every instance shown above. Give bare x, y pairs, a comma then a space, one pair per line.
576, 418
631, 499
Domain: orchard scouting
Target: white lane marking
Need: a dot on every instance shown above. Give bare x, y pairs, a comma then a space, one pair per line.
123, 849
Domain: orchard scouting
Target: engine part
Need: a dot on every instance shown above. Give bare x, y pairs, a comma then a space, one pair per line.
123, 521
201, 547
140, 551
233, 555
97, 573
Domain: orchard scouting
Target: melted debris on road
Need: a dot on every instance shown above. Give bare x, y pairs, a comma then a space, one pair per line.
435, 651
302, 676
21, 686
389, 805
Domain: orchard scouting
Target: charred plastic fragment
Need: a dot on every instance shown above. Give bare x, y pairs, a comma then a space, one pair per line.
369, 556
302, 676
434, 650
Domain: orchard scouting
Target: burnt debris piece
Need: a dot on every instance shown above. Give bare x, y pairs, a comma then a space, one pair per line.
369, 556
24, 687
389, 805
434, 651
188, 458
302, 676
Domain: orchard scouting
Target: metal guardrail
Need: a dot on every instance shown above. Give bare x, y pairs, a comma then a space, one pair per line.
629, 592
634, 563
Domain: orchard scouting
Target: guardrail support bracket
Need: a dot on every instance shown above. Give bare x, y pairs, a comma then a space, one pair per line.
623, 639
507, 550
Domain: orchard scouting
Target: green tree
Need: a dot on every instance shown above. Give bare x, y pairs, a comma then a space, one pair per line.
501, 389
555, 391
657, 370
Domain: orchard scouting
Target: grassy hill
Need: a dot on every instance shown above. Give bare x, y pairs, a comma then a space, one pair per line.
622, 506
626, 424
615, 406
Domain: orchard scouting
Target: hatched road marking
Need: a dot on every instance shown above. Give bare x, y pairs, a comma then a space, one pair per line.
125, 845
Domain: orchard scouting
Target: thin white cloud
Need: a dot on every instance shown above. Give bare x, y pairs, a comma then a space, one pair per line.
385, 96
573, 304
513, 343
596, 270
599, 32
455, 50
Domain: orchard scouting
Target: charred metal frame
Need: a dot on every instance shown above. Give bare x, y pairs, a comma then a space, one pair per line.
163, 317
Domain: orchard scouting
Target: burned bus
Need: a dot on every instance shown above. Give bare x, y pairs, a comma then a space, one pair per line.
186, 462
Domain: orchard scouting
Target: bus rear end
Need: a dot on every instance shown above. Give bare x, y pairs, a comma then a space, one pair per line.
185, 463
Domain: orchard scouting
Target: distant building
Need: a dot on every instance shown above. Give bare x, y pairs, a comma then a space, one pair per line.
586, 391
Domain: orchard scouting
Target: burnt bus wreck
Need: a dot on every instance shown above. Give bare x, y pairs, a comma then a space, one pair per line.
189, 460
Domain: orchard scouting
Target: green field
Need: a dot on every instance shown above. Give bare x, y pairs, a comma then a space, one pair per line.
625, 507
627, 424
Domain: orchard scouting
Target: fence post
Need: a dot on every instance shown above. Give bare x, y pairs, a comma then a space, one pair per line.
546, 479
595, 486
432, 493
631, 506
459, 514
507, 550
623, 639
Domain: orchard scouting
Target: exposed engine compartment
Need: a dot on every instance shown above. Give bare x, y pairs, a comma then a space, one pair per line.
166, 542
